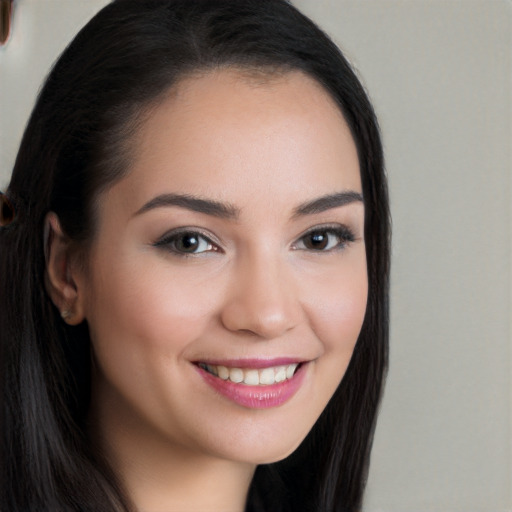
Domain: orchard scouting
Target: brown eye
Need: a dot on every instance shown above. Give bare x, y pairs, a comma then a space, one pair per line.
186, 242
317, 240
325, 239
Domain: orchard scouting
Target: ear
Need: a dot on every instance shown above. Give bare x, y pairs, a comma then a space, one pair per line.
62, 272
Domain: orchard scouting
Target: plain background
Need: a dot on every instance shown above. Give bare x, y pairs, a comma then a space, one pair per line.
440, 76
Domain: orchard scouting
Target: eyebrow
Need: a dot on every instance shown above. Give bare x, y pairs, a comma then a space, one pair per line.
228, 211
328, 202
193, 203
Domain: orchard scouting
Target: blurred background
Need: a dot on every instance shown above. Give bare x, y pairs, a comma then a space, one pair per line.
440, 75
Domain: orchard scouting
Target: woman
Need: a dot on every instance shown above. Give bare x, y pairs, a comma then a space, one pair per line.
195, 268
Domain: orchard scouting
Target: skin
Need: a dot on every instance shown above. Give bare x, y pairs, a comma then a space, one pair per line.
263, 147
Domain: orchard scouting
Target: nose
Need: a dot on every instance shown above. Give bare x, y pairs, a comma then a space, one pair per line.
262, 299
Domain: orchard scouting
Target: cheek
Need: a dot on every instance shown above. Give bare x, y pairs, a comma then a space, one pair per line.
337, 323
337, 309
146, 308
142, 319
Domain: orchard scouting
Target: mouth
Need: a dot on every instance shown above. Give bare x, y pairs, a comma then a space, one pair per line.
256, 384
252, 376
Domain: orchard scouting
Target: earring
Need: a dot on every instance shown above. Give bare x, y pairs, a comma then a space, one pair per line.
66, 314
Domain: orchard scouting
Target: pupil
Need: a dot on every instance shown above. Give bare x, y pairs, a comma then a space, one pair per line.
188, 243
318, 241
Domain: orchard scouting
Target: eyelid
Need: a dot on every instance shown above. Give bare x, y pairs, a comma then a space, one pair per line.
344, 232
166, 240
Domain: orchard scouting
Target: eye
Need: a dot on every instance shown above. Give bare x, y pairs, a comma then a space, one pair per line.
324, 239
187, 242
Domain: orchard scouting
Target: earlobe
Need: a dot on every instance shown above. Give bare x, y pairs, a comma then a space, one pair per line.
61, 274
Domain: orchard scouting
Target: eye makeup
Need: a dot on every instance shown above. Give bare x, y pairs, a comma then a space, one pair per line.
191, 241
326, 238
187, 241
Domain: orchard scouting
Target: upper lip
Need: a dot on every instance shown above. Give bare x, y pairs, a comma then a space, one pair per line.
255, 363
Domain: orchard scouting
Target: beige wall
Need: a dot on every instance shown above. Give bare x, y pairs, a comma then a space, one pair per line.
440, 74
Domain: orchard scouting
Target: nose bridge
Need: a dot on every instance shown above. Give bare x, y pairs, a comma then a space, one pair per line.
262, 299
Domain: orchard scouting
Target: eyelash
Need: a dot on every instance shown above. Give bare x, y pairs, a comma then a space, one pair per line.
342, 233
169, 241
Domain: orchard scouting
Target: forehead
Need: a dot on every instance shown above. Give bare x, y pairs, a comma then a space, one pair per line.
233, 135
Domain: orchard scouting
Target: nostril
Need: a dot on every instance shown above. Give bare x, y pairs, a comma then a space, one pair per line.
261, 302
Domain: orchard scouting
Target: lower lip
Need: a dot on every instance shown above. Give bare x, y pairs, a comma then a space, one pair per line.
256, 397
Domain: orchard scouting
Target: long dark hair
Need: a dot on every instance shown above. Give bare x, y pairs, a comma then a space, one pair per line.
76, 144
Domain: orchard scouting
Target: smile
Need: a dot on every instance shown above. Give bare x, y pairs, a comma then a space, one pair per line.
255, 388
251, 376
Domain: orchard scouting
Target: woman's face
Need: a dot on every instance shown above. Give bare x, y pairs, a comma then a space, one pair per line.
232, 251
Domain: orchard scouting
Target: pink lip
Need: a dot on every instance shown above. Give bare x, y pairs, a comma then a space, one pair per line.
256, 397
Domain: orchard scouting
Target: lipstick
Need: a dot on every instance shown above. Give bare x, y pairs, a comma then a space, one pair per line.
256, 384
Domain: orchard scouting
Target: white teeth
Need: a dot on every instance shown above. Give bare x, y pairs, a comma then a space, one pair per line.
280, 374
290, 370
253, 377
223, 372
267, 376
236, 375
